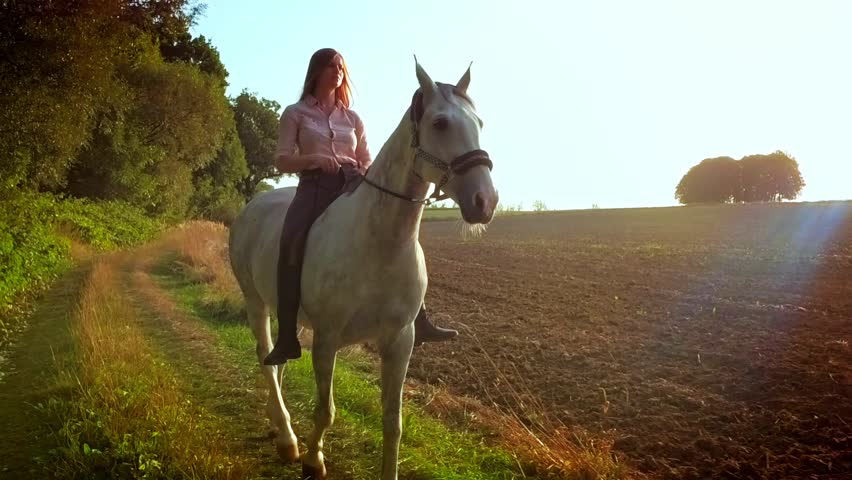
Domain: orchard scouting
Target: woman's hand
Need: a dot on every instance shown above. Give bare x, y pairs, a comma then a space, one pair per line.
344, 160
326, 164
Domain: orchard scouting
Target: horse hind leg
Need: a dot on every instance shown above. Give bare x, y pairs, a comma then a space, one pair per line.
285, 440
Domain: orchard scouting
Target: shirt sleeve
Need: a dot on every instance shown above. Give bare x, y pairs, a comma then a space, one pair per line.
288, 133
362, 151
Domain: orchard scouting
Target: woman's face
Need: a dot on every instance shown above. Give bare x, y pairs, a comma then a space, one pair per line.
331, 76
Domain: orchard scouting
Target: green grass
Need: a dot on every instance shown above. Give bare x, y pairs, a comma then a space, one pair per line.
126, 414
436, 214
441, 214
25, 437
429, 448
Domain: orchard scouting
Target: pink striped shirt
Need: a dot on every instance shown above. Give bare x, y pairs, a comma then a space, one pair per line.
305, 129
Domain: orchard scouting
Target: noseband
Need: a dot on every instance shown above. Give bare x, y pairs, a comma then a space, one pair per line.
457, 166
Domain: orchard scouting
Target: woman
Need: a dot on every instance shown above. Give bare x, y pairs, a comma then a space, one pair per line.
322, 140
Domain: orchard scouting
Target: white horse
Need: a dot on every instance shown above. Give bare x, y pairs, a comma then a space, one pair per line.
364, 274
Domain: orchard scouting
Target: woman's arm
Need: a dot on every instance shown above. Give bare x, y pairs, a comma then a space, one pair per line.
297, 163
362, 151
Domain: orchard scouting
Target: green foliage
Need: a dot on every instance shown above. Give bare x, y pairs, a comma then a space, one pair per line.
110, 429
109, 100
31, 253
216, 193
257, 126
263, 187
113, 103
59, 75
144, 152
772, 177
196, 51
539, 206
714, 180
106, 225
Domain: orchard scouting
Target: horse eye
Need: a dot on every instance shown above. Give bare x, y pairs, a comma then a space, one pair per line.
441, 123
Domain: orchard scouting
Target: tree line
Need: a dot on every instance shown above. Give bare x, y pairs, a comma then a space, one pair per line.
753, 178
116, 100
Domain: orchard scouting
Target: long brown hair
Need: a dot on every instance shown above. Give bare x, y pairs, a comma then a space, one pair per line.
319, 60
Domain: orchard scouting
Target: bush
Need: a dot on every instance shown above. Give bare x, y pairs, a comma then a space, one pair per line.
106, 225
33, 251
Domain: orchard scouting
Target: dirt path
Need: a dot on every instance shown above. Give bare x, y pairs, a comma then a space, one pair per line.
223, 387
210, 379
29, 378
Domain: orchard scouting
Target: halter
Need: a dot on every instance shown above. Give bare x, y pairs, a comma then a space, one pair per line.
458, 166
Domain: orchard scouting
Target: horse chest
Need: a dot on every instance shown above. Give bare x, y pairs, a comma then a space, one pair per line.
389, 287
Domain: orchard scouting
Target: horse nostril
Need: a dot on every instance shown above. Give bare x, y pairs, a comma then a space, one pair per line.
479, 201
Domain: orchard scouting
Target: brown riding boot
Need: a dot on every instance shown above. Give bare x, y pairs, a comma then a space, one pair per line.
426, 331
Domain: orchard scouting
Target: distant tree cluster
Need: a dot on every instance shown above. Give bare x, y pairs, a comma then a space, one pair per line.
115, 100
754, 178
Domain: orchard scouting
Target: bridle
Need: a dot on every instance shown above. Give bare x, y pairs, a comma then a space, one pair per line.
457, 166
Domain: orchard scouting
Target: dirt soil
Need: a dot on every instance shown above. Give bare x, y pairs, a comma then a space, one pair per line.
707, 342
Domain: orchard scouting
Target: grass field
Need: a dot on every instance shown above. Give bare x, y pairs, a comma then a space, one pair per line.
154, 376
699, 342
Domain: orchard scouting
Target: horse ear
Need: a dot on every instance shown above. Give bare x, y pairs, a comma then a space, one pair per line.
464, 81
427, 86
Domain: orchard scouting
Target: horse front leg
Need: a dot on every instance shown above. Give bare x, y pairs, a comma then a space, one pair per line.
395, 355
286, 443
324, 354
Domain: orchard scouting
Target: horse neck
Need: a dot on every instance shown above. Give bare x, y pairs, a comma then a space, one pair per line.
393, 218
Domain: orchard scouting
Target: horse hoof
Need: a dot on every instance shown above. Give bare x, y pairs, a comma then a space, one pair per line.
289, 453
313, 473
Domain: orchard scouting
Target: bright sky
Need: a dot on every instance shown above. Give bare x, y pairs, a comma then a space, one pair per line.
596, 102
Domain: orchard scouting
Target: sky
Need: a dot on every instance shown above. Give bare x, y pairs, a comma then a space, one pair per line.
596, 102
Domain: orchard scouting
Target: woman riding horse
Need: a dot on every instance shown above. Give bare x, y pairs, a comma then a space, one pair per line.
322, 139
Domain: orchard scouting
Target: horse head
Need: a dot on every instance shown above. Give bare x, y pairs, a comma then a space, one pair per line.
445, 137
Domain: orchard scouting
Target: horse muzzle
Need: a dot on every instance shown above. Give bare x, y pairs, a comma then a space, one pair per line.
476, 197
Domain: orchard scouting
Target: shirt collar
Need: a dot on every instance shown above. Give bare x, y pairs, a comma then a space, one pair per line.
312, 101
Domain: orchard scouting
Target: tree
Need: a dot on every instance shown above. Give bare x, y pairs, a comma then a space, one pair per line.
61, 80
58, 75
145, 150
196, 51
115, 99
264, 187
713, 180
770, 178
215, 187
257, 126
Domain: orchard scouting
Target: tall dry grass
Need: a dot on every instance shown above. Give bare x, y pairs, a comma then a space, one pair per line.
526, 422
202, 249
